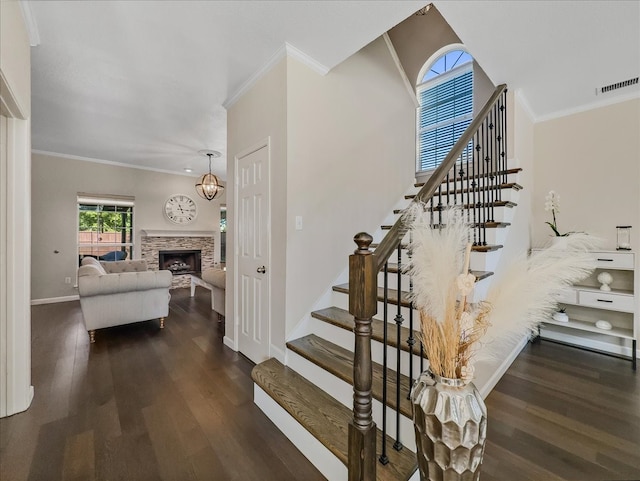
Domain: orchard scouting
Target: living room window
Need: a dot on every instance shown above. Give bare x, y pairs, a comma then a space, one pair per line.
105, 227
445, 99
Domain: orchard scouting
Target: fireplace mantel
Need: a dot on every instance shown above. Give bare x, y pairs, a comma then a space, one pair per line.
176, 233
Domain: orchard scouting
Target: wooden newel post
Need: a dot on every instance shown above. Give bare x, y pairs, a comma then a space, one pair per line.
363, 306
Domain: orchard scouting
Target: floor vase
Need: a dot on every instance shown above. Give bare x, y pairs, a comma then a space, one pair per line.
450, 420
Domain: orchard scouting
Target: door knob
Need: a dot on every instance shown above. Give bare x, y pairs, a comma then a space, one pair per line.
261, 270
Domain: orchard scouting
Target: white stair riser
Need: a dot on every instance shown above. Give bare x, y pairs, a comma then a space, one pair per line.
343, 393
346, 340
323, 459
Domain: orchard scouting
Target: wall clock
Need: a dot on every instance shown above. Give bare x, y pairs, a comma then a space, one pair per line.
180, 209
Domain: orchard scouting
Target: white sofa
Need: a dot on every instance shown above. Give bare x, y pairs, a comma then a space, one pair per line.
215, 280
121, 292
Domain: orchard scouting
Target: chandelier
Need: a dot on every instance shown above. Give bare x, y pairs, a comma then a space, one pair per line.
209, 186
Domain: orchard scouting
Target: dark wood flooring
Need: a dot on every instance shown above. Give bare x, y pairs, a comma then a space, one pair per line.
564, 414
145, 404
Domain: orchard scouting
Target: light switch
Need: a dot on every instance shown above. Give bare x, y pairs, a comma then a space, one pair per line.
298, 222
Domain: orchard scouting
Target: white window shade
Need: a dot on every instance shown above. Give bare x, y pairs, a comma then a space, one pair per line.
446, 110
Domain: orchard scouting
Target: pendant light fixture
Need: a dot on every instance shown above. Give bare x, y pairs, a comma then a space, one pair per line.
209, 186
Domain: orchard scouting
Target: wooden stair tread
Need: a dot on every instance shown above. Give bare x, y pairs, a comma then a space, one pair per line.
497, 203
393, 269
324, 417
477, 176
486, 248
343, 319
464, 190
392, 295
339, 362
488, 225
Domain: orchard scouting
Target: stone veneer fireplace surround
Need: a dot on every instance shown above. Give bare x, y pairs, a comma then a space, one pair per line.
154, 241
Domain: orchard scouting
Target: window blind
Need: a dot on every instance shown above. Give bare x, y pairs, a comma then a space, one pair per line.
445, 111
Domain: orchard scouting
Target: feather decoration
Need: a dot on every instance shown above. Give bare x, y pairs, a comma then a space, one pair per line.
437, 253
528, 292
454, 332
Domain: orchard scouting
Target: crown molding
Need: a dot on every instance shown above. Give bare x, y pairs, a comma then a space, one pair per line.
111, 162
176, 233
30, 23
618, 99
285, 50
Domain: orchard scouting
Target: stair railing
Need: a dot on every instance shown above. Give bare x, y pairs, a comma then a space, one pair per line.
475, 166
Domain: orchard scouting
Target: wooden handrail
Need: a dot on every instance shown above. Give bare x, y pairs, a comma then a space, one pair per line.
400, 228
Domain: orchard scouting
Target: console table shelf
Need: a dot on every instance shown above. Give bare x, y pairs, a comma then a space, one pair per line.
586, 303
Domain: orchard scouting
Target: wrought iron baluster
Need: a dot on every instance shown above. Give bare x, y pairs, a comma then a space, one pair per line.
384, 459
474, 185
410, 340
398, 319
504, 134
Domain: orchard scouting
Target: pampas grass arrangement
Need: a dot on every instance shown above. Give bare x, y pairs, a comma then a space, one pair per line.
455, 332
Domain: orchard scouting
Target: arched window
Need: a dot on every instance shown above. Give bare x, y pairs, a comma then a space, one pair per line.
445, 99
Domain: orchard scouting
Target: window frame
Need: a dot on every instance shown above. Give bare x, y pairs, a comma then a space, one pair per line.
433, 82
109, 201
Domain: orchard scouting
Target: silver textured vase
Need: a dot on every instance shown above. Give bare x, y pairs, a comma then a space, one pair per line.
450, 420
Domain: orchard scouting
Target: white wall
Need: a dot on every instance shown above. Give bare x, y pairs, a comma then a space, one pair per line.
351, 154
16, 391
56, 183
258, 115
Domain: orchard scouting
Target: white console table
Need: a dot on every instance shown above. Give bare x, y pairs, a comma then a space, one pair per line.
586, 304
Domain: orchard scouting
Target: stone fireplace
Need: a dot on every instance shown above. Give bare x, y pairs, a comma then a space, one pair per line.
182, 242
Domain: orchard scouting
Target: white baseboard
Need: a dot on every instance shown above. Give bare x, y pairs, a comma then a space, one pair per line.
229, 343
499, 371
583, 341
277, 353
54, 300
323, 459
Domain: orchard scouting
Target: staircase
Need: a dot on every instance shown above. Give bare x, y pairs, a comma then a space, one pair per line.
313, 399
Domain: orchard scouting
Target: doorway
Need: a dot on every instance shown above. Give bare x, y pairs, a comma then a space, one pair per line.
253, 252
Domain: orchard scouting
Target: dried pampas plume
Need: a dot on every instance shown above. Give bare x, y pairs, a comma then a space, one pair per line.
528, 292
455, 332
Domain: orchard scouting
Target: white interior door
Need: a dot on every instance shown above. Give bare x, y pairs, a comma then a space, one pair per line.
253, 237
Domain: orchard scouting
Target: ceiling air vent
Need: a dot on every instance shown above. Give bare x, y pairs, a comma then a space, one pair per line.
617, 85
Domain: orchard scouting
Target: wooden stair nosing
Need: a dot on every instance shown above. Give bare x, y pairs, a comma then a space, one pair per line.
475, 248
514, 170
344, 320
339, 362
392, 296
488, 225
497, 203
393, 269
477, 188
324, 417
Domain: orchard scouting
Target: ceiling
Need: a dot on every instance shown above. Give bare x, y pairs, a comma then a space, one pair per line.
144, 83
556, 53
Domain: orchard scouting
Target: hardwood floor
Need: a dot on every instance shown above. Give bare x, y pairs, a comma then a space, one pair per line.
561, 413
144, 404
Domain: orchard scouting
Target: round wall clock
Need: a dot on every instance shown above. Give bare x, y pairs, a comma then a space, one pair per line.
180, 209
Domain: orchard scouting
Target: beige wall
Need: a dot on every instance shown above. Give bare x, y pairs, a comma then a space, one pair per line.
258, 115
15, 53
418, 37
56, 182
351, 151
592, 159
342, 153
